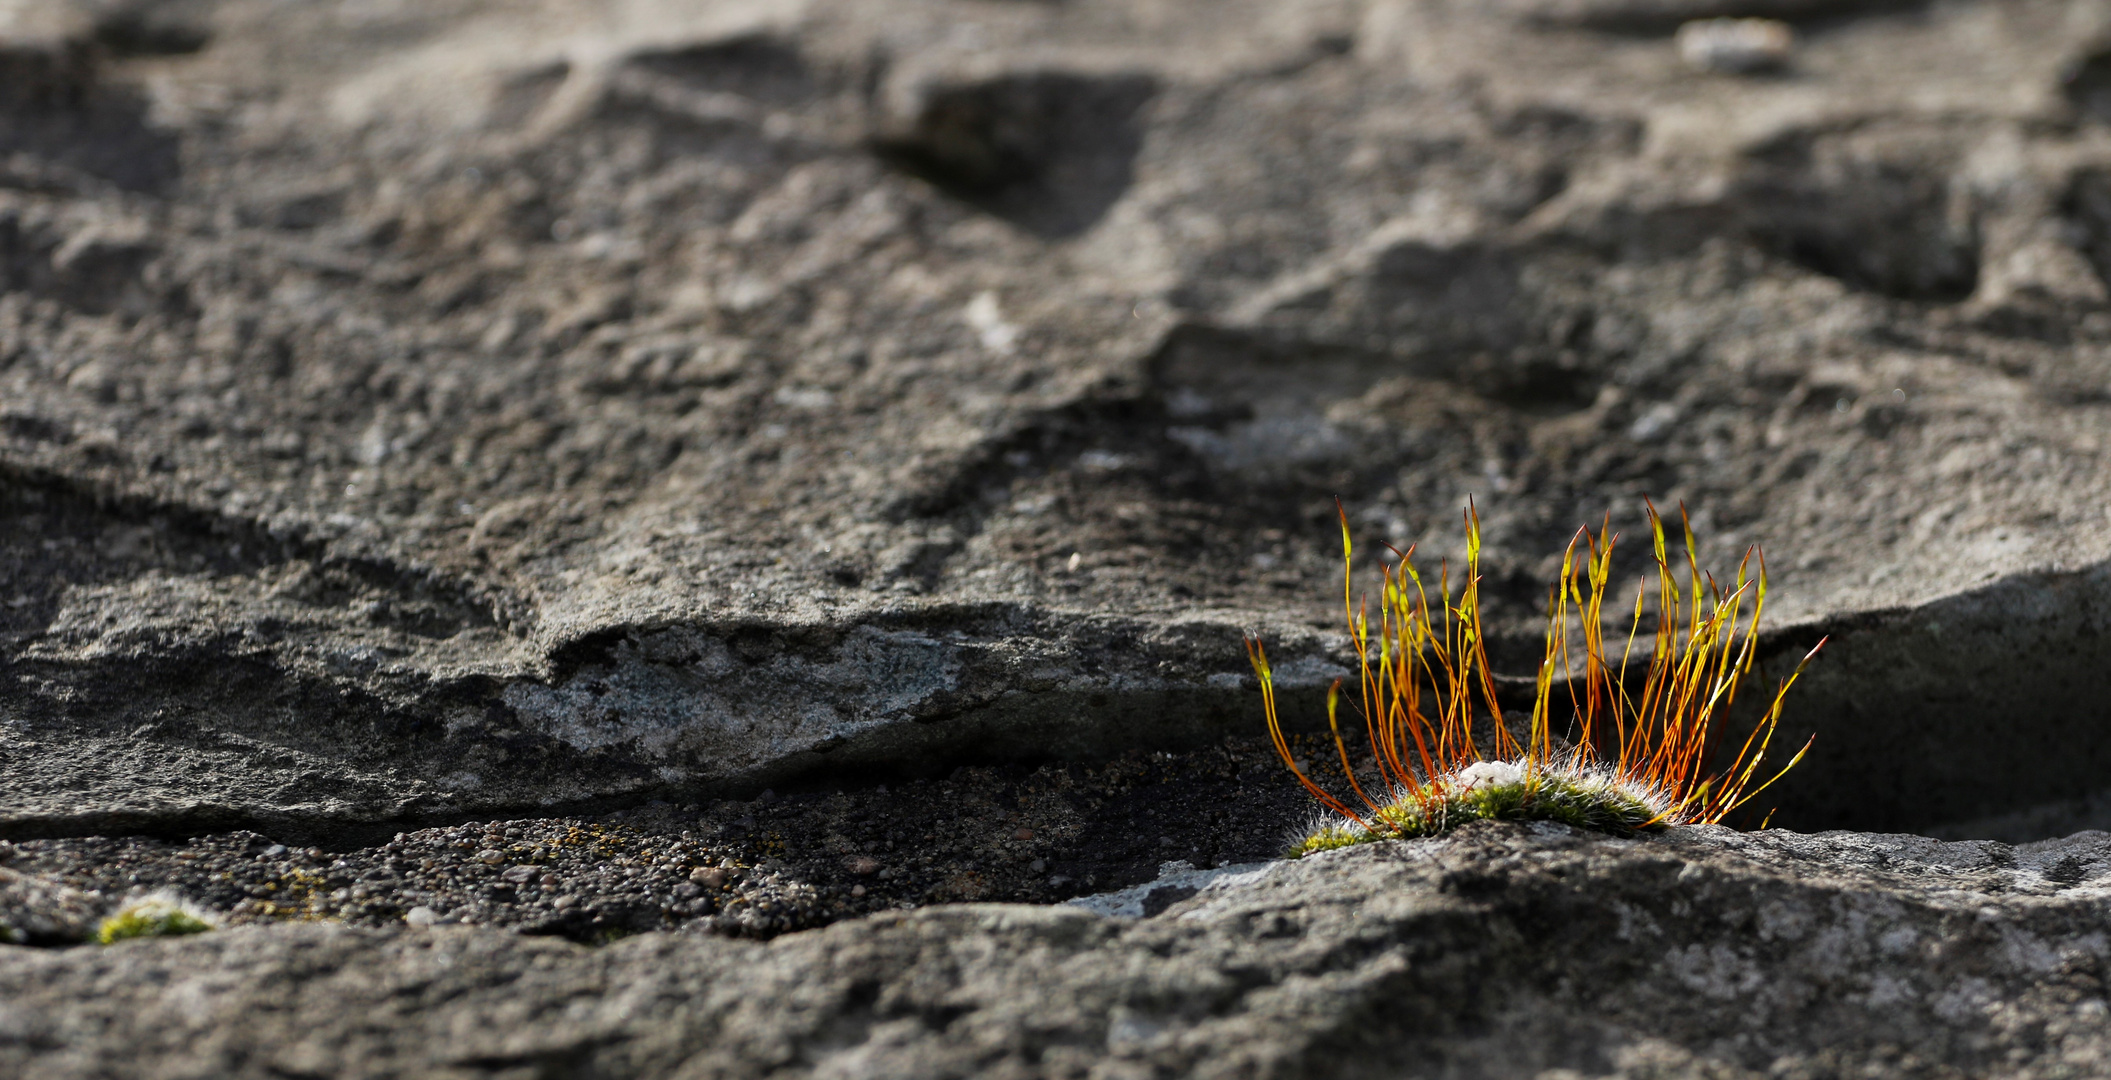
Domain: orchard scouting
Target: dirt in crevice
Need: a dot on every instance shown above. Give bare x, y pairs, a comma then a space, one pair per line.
758, 867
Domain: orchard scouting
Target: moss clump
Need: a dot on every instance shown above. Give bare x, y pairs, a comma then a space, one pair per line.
155, 916
1424, 680
1499, 791
1329, 837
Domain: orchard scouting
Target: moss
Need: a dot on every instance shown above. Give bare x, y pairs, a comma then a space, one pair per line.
1583, 798
1329, 837
297, 895
152, 917
1419, 701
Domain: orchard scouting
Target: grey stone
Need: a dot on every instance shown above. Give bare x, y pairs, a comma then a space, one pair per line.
1736, 46
403, 420
1502, 951
1645, 15
35, 910
1176, 881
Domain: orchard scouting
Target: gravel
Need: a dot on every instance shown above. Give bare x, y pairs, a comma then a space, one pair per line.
753, 868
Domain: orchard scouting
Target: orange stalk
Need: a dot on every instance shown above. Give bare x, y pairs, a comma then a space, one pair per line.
1418, 683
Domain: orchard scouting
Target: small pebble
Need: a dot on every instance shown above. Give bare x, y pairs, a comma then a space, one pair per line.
1736, 46
573, 878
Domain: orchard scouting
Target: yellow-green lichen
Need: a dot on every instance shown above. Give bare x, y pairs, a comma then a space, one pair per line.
154, 916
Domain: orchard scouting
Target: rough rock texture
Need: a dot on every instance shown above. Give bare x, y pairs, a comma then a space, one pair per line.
419, 411
750, 867
1501, 952
35, 910
459, 458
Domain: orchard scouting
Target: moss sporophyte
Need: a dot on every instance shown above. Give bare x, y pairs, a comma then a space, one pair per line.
1628, 759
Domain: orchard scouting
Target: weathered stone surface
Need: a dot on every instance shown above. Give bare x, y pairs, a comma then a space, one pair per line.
39, 911
410, 412
1503, 951
1007, 833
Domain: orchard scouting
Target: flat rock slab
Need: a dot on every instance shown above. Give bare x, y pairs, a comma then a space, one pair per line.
1501, 951
428, 411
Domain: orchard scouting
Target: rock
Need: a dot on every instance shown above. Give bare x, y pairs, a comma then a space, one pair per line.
38, 911
1176, 881
1736, 46
1633, 15
1501, 951
402, 424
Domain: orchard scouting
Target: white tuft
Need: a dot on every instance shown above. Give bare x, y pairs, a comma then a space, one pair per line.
1482, 774
1319, 821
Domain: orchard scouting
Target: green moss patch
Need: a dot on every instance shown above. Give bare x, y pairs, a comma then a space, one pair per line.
153, 917
1585, 799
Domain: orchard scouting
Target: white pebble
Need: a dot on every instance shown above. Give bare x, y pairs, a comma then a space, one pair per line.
1736, 46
